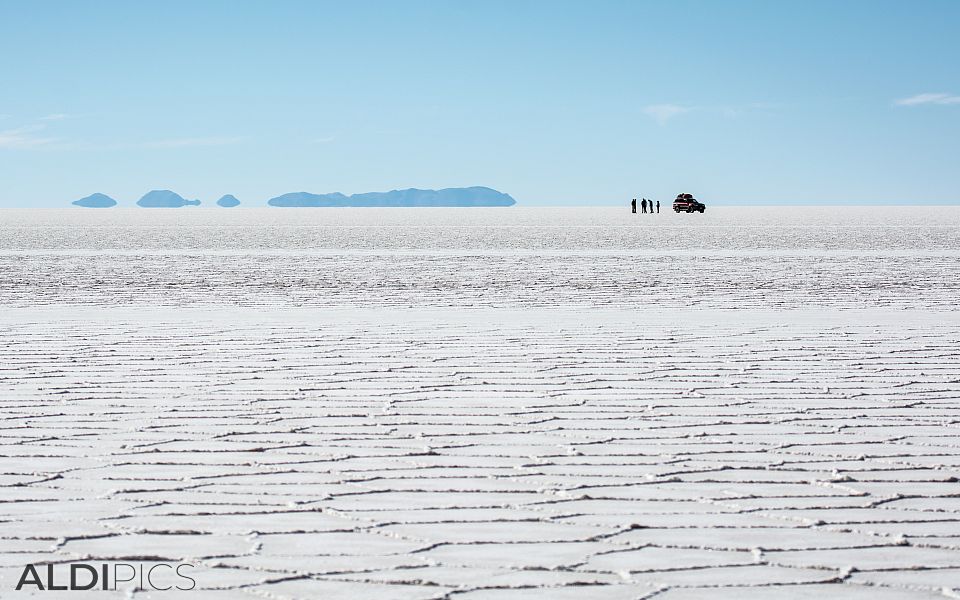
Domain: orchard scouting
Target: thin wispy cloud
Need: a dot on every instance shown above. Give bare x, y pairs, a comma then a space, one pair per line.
25, 137
661, 113
323, 140
928, 98
765, 105
193, 142
31, 136
55, 117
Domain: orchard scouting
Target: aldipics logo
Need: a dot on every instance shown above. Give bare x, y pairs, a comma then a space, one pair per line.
107, 576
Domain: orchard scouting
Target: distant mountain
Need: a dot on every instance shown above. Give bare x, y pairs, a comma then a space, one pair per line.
96, 201
165, 199
228, 201
471, 196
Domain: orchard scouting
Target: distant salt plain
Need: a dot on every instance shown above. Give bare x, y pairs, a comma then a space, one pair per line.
486, 403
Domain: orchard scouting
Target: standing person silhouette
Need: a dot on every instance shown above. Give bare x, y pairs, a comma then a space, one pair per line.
633, 206
658, 207
643, 205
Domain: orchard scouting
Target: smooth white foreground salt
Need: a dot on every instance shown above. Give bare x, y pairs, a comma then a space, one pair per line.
409, 404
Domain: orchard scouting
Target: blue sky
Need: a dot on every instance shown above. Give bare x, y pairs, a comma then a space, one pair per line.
554, 102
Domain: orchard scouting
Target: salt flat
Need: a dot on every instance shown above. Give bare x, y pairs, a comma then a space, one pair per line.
509, 403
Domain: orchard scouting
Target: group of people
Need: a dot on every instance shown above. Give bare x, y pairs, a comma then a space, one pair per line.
644, 203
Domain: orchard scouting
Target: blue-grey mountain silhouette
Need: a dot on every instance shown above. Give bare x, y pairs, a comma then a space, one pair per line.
96, 201
165, 199
471, 196
228, 201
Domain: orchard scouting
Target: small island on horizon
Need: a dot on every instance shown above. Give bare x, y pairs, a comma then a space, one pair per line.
165, 199
228, 201
96, 201
448, 197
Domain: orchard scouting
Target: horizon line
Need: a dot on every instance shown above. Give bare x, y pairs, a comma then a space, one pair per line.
213, 204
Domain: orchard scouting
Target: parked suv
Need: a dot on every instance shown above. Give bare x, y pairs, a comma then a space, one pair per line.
687, 203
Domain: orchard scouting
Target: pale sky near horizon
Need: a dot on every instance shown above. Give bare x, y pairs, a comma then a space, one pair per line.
553, 102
